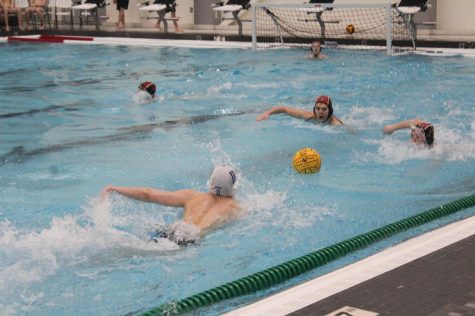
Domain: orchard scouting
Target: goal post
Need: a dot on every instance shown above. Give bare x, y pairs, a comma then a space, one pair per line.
360, 26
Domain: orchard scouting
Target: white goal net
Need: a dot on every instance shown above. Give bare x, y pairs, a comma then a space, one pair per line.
363, 26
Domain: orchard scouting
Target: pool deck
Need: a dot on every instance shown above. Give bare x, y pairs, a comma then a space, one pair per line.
441, 283
432, 274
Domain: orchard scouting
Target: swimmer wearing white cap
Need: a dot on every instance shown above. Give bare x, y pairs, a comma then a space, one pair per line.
203, 210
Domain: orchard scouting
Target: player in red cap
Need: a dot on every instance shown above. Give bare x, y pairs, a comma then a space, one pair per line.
422, 133
146, 92
322, 112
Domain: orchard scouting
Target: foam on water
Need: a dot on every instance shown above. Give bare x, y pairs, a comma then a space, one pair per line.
218, 89
71, 240
274, 208
367, 116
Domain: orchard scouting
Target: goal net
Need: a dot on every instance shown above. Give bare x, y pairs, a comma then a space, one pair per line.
361, 26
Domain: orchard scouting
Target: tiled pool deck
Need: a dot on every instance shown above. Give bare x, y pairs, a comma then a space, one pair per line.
432, 274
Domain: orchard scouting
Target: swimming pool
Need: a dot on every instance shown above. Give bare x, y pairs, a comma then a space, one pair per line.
69, 127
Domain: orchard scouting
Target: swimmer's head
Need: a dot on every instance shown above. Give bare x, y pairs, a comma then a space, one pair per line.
149, 87
222, 181
316, 48
423, 134
323, 108
146, 92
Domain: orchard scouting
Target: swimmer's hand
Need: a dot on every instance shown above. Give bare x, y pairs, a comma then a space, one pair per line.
264, 116
105, 192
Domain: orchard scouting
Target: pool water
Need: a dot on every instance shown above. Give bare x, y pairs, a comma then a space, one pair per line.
69, 126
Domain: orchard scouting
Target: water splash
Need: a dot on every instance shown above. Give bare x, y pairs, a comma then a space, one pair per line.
367, 116
142, 97
218, 88
99, 232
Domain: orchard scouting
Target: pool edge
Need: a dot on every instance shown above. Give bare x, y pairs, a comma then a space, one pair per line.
320, 288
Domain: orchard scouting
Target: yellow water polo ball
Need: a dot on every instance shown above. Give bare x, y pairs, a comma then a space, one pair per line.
350, 29
307, 160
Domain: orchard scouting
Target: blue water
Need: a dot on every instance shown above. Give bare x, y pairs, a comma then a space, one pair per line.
69, 126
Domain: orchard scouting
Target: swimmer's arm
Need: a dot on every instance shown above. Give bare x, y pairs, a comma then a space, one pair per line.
233, 212
297, 113
235, 207
167, 198
389, 129
336, 121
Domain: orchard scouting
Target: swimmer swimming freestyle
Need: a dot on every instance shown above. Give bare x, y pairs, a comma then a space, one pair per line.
422, 133
203, 210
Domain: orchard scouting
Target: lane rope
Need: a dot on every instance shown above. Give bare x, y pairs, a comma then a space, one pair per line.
290, 269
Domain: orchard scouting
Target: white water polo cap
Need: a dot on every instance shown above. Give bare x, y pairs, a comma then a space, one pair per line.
222, 181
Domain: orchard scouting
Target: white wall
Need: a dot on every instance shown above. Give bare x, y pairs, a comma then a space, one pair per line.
456, 15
